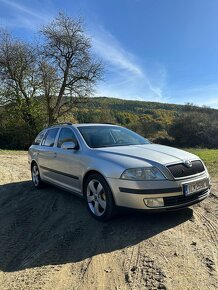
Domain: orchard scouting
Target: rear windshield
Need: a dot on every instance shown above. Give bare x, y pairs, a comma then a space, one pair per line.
110, 136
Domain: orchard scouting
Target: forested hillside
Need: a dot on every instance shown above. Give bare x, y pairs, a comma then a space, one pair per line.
176, 125
133, 106
179, 125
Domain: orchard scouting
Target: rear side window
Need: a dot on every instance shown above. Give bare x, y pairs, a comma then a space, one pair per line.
50, 137
38, 139
66, 135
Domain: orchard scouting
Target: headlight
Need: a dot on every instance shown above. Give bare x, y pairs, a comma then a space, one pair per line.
146, 173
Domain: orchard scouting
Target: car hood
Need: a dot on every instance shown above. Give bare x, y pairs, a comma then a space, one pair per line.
150, 153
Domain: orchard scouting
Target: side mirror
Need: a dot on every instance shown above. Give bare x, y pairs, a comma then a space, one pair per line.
69, 145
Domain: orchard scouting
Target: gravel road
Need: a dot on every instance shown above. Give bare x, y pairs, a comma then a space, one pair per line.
49, 241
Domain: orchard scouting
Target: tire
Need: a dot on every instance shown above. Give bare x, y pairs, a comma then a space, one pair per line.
36, 179
99, 198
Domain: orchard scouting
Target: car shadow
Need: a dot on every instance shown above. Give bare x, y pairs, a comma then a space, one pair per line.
50, 227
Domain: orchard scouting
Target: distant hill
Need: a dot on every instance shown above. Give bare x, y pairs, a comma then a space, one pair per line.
139, 107
142, 107
171, 124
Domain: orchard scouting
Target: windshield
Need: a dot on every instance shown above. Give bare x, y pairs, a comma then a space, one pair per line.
109, 136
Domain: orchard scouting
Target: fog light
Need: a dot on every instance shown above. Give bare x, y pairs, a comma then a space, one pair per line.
154, 202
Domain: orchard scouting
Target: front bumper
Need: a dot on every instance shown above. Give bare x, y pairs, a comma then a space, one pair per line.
135, 194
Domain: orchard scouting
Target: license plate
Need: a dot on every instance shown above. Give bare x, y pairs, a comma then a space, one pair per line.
196, 186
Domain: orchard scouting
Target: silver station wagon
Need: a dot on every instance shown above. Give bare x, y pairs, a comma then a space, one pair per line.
111, 167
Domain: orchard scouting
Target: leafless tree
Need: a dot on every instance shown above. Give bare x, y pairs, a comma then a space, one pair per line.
68, 68
60, 71
19, 82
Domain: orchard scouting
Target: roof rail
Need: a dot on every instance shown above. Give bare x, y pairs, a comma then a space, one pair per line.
65, 123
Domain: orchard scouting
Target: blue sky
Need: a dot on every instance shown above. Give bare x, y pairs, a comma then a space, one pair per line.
155, 50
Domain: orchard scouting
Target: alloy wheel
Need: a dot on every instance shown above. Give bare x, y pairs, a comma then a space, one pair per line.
96, 197
35, 175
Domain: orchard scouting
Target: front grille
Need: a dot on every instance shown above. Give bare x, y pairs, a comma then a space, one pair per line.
181, 170
177, 200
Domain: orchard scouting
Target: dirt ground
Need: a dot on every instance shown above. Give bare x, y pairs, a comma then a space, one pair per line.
49, 241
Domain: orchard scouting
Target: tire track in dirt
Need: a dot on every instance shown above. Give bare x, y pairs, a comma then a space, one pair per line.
209, 224
209, 257
142, 272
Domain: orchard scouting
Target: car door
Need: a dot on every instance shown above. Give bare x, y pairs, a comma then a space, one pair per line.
47, 154
67, 161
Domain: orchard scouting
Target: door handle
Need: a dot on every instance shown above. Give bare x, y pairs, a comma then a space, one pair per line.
55, 154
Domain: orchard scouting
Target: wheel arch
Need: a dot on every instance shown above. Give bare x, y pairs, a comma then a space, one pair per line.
89, 173
32, 163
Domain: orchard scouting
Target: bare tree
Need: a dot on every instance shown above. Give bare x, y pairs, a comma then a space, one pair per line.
68, 69
19, 82
60, 71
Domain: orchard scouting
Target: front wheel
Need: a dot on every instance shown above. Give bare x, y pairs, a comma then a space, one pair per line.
99, 198
36, 179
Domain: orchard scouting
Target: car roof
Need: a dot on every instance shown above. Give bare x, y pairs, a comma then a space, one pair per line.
78, 125
92, 124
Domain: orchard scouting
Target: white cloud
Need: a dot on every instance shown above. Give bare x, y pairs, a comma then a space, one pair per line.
110, 49
127, 79
25, 17
23, 9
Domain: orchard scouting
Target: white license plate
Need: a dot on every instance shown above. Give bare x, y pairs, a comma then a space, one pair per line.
195, 186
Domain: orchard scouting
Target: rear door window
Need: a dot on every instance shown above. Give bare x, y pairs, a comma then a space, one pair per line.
38, 139
49, 139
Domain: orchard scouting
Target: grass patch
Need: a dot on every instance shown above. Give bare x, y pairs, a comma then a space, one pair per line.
12, 152
210, 158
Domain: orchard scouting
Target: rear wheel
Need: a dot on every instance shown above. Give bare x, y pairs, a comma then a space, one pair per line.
36, 179
99, 198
